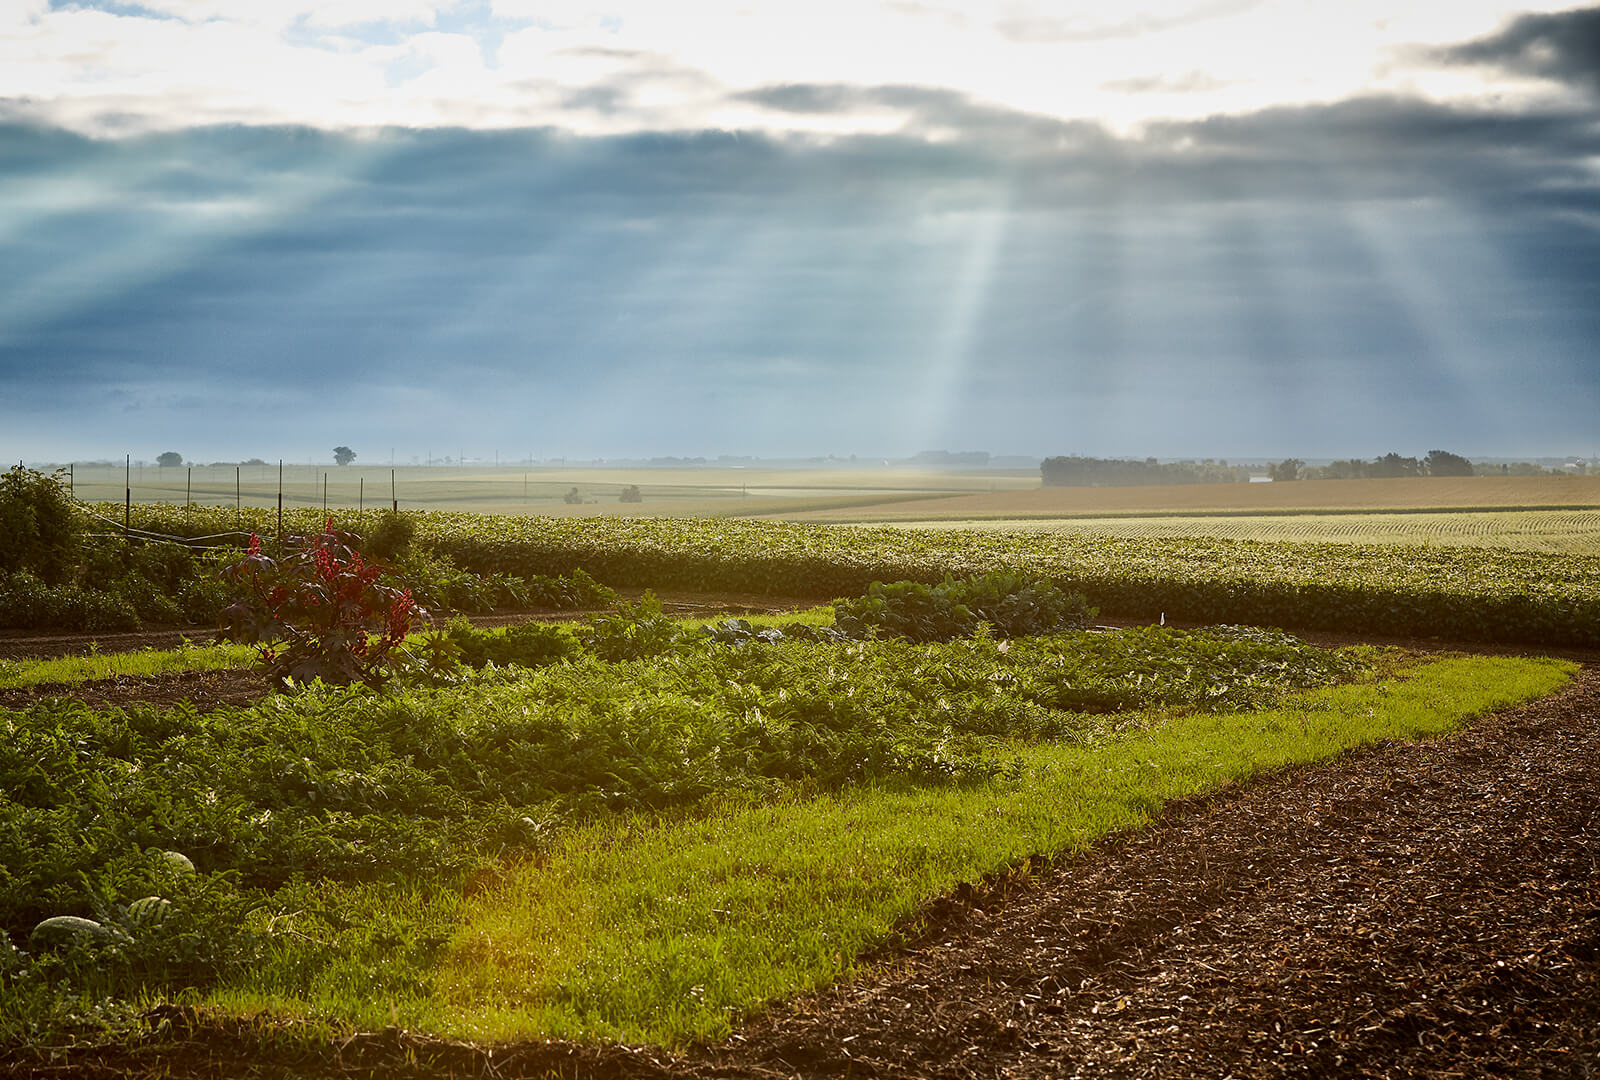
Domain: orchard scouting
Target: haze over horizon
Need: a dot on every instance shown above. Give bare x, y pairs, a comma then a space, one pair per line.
1192, 228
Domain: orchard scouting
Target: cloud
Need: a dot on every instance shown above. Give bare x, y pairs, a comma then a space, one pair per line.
638, 65
1187, 83
1092, 25
1422, 266
1564, 46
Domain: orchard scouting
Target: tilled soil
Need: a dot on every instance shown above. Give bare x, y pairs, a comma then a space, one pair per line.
205, 690
1416, 910
1427, 910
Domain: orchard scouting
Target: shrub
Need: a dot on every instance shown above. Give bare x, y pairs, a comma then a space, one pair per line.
391, 538
325, 604
568, 591
528, 644
40, 530
634, 632
1012, 604
27, 601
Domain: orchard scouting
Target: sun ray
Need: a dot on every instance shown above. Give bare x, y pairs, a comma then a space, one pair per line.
941, 378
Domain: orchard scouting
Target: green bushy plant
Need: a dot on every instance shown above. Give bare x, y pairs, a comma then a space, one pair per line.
633, 632
1012, 604
528, 644
742, 631
390, 538
440, 585
40, 529
566, 592
29, 602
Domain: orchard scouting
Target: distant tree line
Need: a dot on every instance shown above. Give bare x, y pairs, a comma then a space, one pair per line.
1436, 463
1112, 472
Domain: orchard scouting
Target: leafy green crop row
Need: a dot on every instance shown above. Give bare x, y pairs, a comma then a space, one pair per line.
360, 787
1468, 594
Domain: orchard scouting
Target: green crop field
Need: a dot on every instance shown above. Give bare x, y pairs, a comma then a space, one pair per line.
1494, 594
644, 849
1575, 531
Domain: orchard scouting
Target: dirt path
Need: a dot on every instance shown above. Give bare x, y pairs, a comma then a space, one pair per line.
1425, 910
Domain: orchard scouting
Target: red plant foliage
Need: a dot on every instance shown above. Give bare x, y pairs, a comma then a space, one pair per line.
322, 612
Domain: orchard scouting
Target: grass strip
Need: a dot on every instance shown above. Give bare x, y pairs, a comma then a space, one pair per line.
18, 674
69, 670
669, 933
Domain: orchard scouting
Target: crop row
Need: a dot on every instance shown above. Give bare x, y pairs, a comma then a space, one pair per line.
1467, 594
1526, 530
361, 787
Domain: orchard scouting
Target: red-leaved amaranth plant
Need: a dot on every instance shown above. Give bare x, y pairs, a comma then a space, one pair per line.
319, 613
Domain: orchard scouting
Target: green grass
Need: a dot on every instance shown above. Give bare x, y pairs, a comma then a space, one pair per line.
670, 932
19, 674
67, 670
821, 615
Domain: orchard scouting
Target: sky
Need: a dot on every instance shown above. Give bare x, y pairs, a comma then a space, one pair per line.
1179, 228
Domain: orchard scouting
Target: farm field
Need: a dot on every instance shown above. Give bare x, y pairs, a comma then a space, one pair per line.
1576, 531
858, 493
711, 828
1460, 593
1465, 493
632, 829
679, 492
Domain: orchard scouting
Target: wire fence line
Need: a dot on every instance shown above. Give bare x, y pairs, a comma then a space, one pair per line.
486, 488
94, 485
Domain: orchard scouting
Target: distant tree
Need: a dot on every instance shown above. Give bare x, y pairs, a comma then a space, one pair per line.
1095, 472
572, 498
1391, 464
1346, 469
631, 494
343, 455
1444, 463
1288, 469
169, 460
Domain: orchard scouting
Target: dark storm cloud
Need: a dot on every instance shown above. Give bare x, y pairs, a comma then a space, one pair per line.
1562, 45
1376, 147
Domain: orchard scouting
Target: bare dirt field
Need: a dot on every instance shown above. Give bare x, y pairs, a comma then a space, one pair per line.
1396, 494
